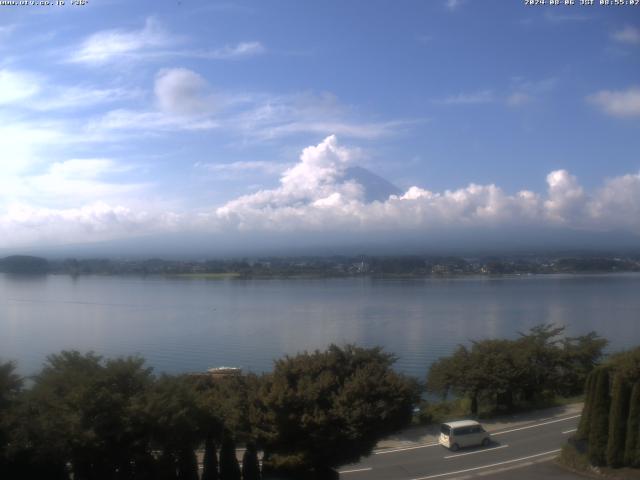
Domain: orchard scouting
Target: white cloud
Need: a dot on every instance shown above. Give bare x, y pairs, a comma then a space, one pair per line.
518, 99
76, 97
242, 49
628, 34
26, 225
621, 103
453, 4
315, 195
186, 101
483, 96
153, 41
17, 86
6, 31
108, 45
182, 92
242, 167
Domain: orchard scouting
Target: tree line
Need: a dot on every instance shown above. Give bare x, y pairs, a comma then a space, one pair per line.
506, 374
89, 418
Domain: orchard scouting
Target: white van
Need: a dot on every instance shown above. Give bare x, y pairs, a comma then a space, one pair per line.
464, 433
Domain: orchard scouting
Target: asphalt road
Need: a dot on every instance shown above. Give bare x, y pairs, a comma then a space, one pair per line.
511, 448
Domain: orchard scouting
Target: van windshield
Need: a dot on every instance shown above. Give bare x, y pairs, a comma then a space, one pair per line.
445, 429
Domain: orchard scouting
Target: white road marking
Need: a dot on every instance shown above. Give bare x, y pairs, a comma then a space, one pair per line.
355, 470
477, 451
488, 466
571, 431
534, 426
406, 448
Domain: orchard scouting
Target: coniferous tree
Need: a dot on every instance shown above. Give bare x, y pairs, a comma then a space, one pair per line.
632, 443
599, 428
618, 421
210, 462
229, 467
187, 465
250, 464
585, 419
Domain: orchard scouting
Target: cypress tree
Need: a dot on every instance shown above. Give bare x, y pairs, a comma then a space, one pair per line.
618, 421
210, 462
250, 465
599, 426
187, 465
585, 419
229, 467
632, 443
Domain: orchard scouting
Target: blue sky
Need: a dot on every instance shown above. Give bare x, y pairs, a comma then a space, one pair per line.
123, 119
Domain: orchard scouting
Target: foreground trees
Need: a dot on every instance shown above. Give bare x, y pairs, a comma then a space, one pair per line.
88, 418
508, 373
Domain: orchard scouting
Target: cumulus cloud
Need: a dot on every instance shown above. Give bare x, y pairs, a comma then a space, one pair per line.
27, 225
182, 91
618, 103
313, 195
316, 195
629, 35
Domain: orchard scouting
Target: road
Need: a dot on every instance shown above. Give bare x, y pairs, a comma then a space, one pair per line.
512, 447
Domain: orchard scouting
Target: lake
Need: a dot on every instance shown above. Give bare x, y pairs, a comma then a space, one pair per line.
181, 324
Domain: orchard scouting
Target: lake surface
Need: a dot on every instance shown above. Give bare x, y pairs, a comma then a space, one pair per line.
189, 325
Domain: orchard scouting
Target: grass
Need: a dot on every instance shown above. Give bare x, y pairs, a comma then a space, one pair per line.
572, 459
459, 408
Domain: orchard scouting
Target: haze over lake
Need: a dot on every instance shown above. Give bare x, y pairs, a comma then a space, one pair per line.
182, 325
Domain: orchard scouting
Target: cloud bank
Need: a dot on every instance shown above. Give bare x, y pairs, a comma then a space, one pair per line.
316, 196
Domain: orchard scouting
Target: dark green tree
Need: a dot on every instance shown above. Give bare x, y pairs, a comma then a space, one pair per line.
187, 464
580, 355
585, 419
250, 464
618, 417
210, 461
324, 409
632, 442
229, 467
599, 428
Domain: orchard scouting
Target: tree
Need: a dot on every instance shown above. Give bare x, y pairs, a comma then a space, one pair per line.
585, 419
81, 410
229, 467
599, 428
632, 442
540, 352
210, 461
250, 464
618, 417
173, 414
10, 389
580, 355
323, 409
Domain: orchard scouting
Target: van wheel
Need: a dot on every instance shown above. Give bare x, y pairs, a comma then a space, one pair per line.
485, 442
455, 447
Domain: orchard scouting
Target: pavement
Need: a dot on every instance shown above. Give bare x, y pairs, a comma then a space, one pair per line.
522, 442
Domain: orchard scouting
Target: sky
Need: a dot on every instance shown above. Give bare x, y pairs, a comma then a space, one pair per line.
243, 122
